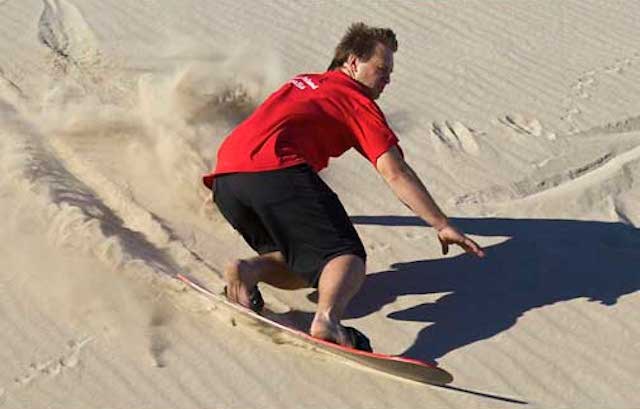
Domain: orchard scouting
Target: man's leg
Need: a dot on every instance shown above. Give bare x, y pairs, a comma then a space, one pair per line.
270, 268
340, 280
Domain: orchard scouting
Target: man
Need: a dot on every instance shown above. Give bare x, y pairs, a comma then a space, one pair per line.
266, 184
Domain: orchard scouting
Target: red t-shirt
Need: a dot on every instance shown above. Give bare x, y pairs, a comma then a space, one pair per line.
311, 118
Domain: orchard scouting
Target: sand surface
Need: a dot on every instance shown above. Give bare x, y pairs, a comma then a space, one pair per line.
523, 118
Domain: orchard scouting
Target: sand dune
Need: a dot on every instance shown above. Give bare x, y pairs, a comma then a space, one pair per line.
522, 117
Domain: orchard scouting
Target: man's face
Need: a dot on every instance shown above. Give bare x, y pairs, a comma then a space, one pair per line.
374, 74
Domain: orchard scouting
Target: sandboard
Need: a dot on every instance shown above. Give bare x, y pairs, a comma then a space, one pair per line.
407, 368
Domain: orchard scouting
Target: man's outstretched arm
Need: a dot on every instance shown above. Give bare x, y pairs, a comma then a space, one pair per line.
410, 190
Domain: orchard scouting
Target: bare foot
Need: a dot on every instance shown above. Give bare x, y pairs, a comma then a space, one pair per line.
329, 331
240, 280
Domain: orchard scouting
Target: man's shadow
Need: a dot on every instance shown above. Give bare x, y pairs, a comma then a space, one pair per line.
543, 262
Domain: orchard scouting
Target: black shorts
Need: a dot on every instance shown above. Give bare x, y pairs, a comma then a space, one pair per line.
289, 210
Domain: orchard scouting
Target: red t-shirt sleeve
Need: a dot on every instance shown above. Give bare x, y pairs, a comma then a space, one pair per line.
372, 133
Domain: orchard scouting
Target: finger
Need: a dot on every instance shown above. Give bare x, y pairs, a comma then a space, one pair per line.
444, 245
473, 247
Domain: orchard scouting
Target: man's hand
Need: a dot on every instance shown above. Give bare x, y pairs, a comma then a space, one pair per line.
450, 235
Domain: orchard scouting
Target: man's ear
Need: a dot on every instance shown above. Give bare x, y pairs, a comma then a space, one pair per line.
352, 63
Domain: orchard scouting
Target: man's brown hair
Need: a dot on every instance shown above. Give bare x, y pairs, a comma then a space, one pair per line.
361, 40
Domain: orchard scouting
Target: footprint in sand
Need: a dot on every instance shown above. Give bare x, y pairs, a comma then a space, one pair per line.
63, 30
377, 246
454, 137
582, 86
585, 85
619, 66
55, 366
526, 125
415, 236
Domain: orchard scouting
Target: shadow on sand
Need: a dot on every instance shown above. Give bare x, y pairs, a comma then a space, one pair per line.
543, 262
